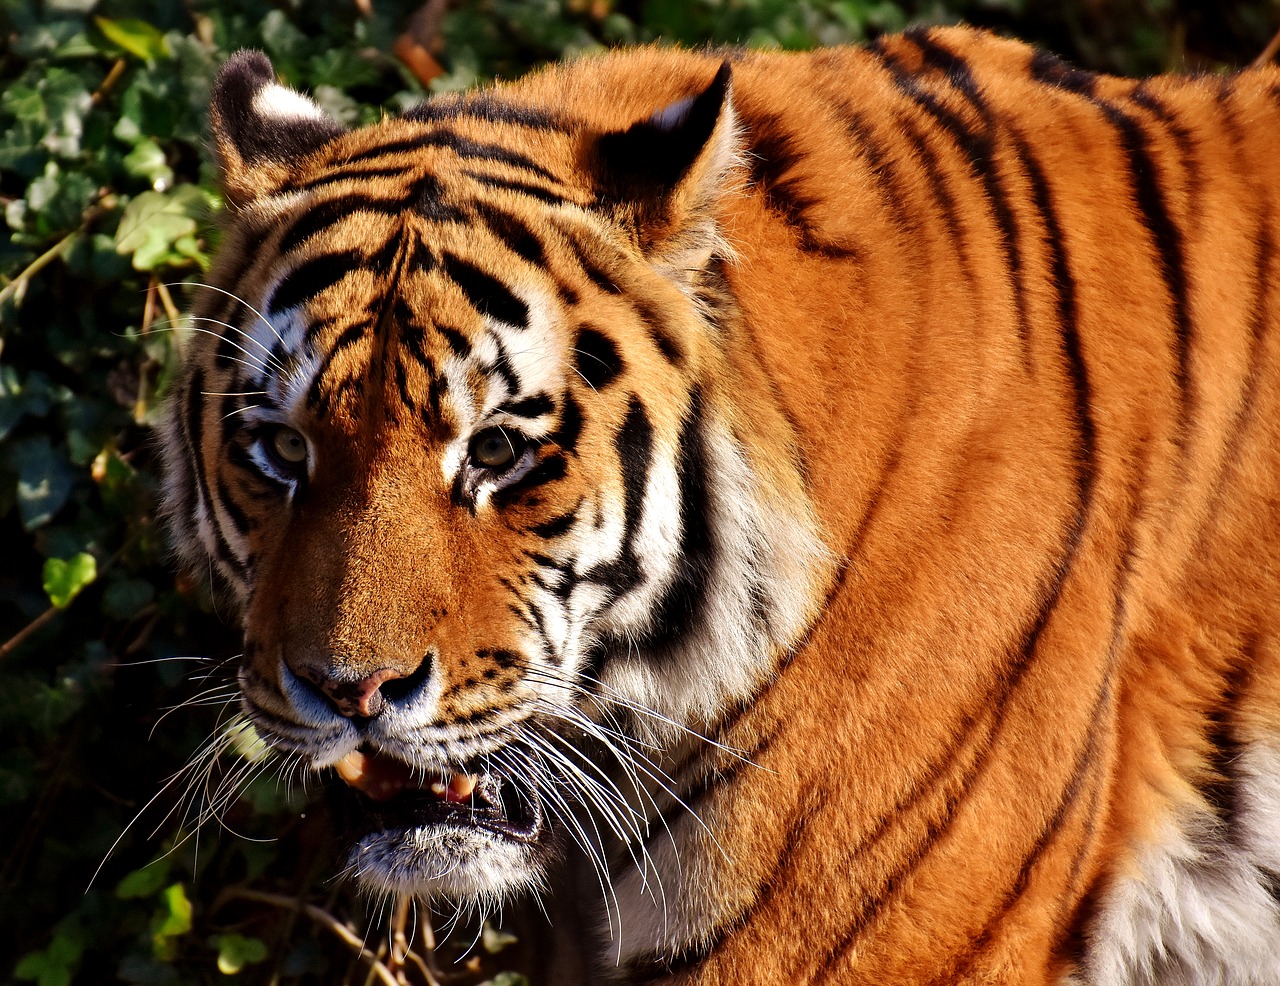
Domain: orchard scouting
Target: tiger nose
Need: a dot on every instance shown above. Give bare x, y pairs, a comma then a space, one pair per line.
363, 698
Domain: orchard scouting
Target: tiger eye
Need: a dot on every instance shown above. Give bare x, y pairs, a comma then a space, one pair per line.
493, 448
290, 446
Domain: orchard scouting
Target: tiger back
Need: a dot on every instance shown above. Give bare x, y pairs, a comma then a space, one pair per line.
836, 492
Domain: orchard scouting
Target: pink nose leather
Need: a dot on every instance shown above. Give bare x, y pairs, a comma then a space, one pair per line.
356, 698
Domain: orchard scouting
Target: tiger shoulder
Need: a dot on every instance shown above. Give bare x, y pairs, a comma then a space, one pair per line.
832, 500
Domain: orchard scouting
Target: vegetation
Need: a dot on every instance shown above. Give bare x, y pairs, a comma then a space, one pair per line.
110, 206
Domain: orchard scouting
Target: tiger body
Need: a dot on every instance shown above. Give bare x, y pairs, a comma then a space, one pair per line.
904, 420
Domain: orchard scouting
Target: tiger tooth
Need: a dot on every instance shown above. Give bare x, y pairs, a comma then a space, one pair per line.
351, 767
439, 788
377, 777
461, 786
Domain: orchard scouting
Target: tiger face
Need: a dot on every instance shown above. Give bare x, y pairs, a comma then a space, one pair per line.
447, 434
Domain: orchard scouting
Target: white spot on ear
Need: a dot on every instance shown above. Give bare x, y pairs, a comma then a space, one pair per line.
281, 103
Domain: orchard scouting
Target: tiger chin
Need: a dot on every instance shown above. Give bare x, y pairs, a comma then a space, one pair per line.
836, 493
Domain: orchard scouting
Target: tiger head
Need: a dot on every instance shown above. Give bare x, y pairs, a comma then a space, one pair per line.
455, 431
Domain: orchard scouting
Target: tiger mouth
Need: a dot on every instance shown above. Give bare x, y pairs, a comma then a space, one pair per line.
395, 796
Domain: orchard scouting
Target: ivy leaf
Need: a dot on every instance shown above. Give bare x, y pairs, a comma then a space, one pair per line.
147, 160
506, 979
137, 37
236, 951
20, 397
144, 882
45, 478
154, 223
171, 920
64, 579
54, 965
494, 940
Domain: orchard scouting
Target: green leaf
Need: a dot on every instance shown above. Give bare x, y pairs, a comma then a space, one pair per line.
494, 940
137, 37
147, 160
236, 951
172, 919
20, 397
54, 966
506, 979
154, 222
45, 478
145, 882
56, 201
63, 580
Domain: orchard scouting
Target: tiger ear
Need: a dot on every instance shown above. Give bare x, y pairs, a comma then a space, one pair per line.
663, 176
261, 127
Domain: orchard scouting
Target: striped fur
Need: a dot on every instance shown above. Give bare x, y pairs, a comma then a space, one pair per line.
882, 585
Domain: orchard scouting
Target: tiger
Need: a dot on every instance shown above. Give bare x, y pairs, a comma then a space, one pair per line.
812, 517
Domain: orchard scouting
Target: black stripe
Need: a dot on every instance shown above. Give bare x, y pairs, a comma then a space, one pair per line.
887, 179
311, 277
420, 259
1053, 71
655, 320
596, 357
582, 254
487, 294
317, 397
484, 106
960, 963
513, 232
534, 406
402, 385
426, 196
476, 150
997, 707
502, 366
570, 427
772, 160
195, 440
547, 195
634, 447
980, 148
941, 193
556, 526
681, 605
1222, 788
1085, 481
1263, 281
405, 145
354, 175
322, 215
456, 340
1167, 238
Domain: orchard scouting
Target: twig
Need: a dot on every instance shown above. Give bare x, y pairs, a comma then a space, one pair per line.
322, 918
13, 642
112, 78
166, 299
1268, 53
19, 283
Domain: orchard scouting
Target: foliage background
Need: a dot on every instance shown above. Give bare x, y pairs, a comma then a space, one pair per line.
109, 206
